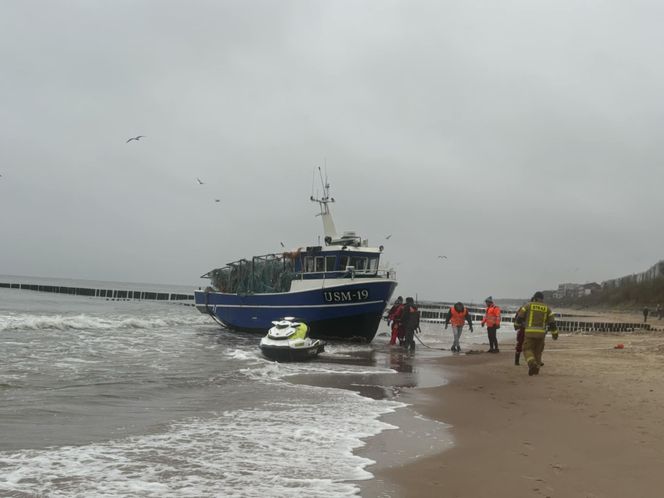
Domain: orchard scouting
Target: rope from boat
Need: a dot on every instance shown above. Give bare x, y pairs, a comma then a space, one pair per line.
214, 317
207, 308
418, 338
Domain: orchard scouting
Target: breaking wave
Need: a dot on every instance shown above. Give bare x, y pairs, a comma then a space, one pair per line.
287, 449
91, 322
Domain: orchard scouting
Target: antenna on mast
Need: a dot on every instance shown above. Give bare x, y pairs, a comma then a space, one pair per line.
323, 201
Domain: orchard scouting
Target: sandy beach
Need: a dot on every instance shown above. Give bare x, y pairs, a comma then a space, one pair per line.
590, 425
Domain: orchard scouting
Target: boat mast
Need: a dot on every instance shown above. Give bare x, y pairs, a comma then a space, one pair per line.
328, 223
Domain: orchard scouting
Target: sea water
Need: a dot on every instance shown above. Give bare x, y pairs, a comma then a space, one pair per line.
137, 398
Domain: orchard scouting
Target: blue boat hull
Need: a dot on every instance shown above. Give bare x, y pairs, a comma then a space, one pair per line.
350, 311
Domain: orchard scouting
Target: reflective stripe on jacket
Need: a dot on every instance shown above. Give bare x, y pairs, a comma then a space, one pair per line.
457, 317
492, 316
536, 318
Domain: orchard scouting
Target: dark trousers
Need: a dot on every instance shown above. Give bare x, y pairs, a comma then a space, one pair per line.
520, 336
493, 342
409, 339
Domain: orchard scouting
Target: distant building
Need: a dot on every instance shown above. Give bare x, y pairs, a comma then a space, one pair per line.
655, 271
568, 290
588, 289
572, 291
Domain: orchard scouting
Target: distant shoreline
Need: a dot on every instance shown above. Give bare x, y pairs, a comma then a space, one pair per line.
68, 281
73, 282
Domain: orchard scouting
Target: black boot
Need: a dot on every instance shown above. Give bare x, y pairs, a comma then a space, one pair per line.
516, 358
533, 369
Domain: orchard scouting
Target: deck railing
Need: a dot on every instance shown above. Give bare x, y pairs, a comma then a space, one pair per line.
350, 272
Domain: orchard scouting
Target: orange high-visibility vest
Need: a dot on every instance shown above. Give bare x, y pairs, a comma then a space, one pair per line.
492, 316
458, 317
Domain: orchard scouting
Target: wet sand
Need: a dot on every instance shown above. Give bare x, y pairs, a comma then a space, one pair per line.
590, 425
413, 436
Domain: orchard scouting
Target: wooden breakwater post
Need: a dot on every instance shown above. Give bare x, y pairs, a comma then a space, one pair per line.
583, 326
108, 294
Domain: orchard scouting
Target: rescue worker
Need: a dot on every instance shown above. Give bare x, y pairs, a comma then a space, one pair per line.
457, 315
410, 318
394, 317
520, 336
492, 321
536, 318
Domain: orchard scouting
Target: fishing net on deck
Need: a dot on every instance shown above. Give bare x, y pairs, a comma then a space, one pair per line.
271, 273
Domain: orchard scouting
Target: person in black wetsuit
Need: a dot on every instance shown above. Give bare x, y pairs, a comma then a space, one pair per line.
410, 320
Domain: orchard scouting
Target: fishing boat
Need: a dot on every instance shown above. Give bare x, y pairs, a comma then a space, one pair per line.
338, 288
288, 340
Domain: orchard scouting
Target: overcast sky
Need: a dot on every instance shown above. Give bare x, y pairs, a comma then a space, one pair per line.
521, 139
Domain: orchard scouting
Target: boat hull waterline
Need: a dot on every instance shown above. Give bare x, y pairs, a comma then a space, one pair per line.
350, 311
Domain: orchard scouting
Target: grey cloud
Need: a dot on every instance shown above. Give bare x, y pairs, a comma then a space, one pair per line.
520, 139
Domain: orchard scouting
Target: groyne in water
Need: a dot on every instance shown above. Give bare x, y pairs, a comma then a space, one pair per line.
587, 326
109, 294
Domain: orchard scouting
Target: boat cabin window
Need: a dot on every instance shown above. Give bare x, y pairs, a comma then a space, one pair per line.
359, 263
319, 264
330, 262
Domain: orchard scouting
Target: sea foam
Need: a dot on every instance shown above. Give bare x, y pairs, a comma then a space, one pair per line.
91, 322
283, 449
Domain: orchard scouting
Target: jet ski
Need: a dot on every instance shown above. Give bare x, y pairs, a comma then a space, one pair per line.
288, 340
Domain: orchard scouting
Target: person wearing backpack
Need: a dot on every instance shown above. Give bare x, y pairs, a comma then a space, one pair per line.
410, 320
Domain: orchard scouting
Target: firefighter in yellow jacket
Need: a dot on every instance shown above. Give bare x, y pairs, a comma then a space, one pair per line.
536, 318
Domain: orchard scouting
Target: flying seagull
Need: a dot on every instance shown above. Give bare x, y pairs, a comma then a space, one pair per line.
388, 237
135, 138
200, 182
441, 257
282, 244
217, 200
